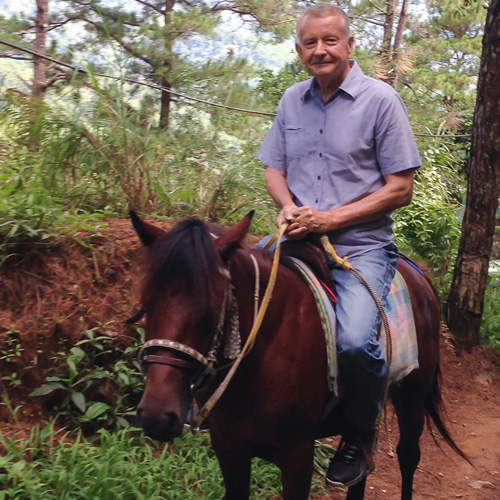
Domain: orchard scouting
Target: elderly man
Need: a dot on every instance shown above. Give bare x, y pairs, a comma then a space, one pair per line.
340, 158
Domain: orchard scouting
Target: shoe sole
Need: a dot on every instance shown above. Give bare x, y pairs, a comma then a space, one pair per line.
352, 482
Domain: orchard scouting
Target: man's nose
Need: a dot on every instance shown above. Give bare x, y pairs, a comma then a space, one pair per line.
320, 48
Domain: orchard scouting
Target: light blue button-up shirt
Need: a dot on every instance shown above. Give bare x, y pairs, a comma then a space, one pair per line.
339, 152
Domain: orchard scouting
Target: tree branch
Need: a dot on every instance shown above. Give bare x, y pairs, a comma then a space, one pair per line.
15, 57
130, 50
59, 24
54, 79
151, 6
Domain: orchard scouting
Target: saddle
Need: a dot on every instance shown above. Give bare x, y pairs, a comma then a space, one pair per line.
309, 261
314, 257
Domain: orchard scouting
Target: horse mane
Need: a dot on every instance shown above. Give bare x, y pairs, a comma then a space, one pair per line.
186, 252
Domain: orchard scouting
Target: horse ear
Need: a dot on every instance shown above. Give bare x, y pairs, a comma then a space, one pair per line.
147, 232
229, 240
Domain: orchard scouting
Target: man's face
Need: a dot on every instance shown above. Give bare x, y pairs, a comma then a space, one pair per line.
324, 48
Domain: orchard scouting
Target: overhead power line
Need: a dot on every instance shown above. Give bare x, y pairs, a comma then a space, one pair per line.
156, 86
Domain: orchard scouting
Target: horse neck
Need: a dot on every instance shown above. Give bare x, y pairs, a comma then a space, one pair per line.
250, 271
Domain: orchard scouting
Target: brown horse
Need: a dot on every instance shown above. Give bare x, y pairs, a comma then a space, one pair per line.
274, 407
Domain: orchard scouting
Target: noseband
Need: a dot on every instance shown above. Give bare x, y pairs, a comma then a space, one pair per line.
227, 332
145, 359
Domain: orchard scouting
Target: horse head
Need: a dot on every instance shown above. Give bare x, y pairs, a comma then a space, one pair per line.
184, 298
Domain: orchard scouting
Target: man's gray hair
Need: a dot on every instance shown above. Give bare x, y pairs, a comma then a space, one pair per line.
323, 10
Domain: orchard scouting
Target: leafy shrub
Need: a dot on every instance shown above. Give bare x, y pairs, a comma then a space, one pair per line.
490, 321
429, 228
96, 384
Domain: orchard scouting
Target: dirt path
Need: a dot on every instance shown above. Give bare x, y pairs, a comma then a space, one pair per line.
471, 391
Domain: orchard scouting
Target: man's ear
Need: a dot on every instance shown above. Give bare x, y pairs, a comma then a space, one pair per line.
350, 46
298, 48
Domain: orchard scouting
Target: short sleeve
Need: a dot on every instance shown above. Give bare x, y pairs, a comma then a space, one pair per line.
272, 151
396, 149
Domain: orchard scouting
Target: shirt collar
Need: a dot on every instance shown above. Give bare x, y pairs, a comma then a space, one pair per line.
350, 85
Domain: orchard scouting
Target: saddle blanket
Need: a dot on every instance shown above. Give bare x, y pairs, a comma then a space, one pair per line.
404, 356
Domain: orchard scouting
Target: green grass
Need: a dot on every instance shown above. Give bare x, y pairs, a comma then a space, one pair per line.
49, 464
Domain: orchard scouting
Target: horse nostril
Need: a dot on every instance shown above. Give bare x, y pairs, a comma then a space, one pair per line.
163, 427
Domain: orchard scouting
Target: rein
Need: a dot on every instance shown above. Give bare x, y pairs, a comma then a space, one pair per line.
207, 408
347, 266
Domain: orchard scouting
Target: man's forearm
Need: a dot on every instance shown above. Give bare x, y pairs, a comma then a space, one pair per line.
277, 187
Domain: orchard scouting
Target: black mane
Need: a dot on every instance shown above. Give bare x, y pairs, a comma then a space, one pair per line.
186, 252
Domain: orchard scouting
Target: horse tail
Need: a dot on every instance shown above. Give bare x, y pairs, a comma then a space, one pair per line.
434, 407
434, 404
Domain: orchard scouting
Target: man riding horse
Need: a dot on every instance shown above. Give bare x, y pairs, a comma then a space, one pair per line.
340, 158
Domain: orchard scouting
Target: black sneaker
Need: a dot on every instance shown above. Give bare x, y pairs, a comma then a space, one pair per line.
350, 464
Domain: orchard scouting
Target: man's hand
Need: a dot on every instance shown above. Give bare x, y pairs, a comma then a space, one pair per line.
287, 214
309, 220
303, 220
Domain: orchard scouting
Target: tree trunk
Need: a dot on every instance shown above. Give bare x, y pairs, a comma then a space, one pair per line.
165, 104
396, 48
466, 298
388, 27
166, 97
40, 67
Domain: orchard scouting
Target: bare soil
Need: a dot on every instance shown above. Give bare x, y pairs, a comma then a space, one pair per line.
51, 294
471, 392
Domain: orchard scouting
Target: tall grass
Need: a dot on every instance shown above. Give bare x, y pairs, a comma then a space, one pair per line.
49, 464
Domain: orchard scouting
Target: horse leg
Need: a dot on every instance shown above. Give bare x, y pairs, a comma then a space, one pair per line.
296, 468
236, 473
411, 424
357, 491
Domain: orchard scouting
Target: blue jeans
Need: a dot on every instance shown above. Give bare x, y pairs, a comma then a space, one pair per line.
362, 366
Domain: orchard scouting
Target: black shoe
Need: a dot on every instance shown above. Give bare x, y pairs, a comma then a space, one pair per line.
350, 465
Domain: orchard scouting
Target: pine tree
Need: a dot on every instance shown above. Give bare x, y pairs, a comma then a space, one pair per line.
466, 298
149, 33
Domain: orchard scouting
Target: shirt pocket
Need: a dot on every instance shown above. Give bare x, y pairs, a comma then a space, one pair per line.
294, 142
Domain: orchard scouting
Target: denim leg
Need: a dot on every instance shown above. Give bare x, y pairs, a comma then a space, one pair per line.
263, 242
362, 366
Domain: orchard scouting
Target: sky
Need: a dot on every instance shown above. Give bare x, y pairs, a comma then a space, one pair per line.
8, 7
232, 35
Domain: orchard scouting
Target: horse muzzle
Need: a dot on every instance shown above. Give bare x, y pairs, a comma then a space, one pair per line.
162, 428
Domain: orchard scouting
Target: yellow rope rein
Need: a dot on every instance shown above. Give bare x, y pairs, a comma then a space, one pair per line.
205, 410
347, 266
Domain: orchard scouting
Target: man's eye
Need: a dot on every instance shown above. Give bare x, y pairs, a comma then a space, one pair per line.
331, 41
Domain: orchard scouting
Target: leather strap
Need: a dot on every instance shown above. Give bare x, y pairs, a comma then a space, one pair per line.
166, 360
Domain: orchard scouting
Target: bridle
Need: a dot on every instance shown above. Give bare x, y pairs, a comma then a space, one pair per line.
202, 366
259, 312
145, 359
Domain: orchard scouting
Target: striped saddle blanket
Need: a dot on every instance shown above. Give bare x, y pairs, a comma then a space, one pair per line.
404, 357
